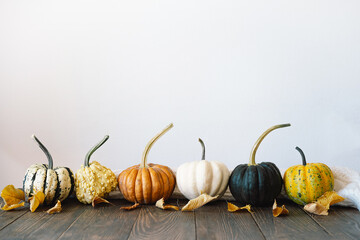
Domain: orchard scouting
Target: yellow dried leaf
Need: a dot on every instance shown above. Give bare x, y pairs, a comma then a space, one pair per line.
316, 208
234, 208
323, 203
277, 211
130, 207
329, 198
198, 202
161, 204
12, 195
98, 200
37, 199
56, 209
11, 207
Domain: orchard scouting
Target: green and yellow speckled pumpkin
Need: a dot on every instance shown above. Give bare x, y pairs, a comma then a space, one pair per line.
307, 182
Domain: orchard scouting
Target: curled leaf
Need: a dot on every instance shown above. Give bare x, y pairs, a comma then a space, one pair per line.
323, 203
11, 207
130, 207
12, 195
198, 202
329, 198
56, 209
234, 208
37, 199
98, 200
316, 208
277, 211
161, 204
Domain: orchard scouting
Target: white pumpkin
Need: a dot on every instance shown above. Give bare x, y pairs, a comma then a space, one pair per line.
56, 183
196, 178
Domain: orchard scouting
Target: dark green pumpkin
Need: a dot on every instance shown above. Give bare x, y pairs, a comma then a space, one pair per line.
256, 184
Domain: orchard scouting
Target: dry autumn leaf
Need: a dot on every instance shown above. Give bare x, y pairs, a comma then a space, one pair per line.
277, 211
56, 209
161, 204
98, 200
198, 202
234, 208
130, 207
329, 198
316, 208
323, 203
37, 199
13, 206
12, 195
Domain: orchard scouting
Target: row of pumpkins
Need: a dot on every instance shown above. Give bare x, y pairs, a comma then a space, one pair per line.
255, 184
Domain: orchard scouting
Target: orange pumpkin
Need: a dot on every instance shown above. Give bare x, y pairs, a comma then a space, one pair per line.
147, 183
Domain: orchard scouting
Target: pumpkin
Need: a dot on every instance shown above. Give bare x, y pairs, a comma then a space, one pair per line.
56, 183
307, 182
256, 184
147, 183
198, 177
94, 180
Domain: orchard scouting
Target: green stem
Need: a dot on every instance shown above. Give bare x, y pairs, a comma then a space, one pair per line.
143, 163
203, 148
93, 149
302, 155
50, 160
256, 146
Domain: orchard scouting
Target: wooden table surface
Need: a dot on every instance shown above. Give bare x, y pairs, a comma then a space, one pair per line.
213, 221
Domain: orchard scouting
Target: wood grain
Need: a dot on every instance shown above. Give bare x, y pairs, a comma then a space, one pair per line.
39, 224
7, 217
213, 221
155, 223
296, 225
341, 223
102, 222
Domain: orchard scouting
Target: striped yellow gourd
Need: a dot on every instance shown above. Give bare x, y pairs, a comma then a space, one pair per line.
307, 182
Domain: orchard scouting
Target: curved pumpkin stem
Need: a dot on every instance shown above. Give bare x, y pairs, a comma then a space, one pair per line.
150, 144
302, 155
48, 155
256, 146
203, 148
93, 149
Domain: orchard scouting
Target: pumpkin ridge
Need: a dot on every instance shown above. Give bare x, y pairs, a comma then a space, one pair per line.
32, 184
308, 184
72, 181
171, 176
146, 179
57, 192
138, 186
122, 186
274, 171
165, 178
262, 181
214, 188
160, 179
130, 184
323, 178
155, 185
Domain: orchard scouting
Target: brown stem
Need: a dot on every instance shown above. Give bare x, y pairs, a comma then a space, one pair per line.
150, 144
256, 146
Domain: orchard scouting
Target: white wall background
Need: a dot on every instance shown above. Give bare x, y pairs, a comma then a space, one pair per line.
73, 71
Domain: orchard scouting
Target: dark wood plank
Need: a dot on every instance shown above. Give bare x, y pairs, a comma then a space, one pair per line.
7, 217
103, 222
213, 221
155, 223
40, 225
341, 223
296, 225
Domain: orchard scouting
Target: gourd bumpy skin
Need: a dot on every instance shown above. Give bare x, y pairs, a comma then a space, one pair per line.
94, 181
